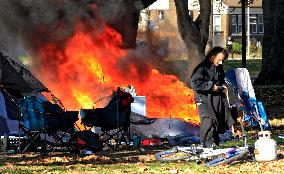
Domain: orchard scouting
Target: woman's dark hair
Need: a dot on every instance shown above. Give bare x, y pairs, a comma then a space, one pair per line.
215, 51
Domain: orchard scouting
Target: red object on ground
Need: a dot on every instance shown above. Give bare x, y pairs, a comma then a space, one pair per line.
81, 142
151, 142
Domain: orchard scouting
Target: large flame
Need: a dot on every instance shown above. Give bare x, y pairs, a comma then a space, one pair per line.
92, 64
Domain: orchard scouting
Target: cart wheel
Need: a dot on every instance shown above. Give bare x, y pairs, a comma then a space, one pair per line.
171, 155
227, 158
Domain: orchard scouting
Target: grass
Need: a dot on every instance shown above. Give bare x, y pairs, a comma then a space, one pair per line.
12, 165
138, 162
156, 167
253, 65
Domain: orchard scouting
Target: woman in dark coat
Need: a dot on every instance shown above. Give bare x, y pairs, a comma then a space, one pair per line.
208, 83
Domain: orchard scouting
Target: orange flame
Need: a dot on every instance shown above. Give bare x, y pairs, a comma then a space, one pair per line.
92, 64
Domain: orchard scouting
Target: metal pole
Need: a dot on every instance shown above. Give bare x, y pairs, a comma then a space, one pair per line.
211, 23
148, 19
248, 32
243, 34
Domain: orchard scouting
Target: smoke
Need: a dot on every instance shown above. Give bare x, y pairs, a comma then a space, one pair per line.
29, 25
149, 54
36, 22
164, 50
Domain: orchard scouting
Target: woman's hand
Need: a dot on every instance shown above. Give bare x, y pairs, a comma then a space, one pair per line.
215, 88
222, 88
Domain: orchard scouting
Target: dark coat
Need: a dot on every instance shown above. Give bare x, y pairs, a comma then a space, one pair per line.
213, 104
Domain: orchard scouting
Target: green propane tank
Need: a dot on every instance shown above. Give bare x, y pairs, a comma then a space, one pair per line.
265, 147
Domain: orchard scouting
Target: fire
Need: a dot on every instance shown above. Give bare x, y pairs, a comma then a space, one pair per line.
92, 64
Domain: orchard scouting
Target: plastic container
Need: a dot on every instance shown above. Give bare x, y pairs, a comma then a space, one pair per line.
152, 142
265, 147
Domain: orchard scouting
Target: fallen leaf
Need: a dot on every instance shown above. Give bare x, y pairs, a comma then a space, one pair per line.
173, 171
9, 165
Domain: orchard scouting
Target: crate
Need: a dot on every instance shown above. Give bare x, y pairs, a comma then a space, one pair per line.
3, 143
11, 144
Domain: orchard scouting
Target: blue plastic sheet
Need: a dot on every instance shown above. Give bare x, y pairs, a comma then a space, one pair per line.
32, 110
251, 106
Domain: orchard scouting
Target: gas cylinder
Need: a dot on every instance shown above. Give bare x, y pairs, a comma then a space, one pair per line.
265, 147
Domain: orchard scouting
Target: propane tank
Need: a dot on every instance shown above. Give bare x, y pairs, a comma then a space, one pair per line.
265, 147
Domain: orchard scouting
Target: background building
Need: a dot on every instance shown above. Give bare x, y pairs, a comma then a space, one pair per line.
160, 18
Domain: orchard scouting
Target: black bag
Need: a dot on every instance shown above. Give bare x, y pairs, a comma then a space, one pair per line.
92, 140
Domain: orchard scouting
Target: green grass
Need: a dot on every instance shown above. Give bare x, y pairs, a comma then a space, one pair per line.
139, 167
157, 167
253, 65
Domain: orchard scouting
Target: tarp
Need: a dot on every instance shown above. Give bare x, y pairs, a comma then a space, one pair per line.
16, 77
165, 128
15, 82
239, 80
9, 114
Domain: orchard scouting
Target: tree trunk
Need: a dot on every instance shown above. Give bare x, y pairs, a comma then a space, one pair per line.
272, 70
209, 44
124, 18
194, 33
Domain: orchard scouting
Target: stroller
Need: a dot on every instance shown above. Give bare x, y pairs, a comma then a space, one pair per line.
242, 97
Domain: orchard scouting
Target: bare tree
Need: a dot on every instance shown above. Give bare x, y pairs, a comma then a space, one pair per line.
272, 69
194, 33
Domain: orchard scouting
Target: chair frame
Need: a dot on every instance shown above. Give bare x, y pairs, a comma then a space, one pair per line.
119, 134
58, 140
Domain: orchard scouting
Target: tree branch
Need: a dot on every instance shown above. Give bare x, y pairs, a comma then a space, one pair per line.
186, 25
147, 3
205, 11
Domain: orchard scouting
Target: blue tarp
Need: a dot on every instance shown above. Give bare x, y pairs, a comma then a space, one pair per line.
38, 113
250, 106
33, 111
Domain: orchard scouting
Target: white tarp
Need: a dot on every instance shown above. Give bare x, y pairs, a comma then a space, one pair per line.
139, 105
244, 81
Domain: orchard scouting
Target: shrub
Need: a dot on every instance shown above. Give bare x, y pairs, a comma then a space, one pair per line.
237, 48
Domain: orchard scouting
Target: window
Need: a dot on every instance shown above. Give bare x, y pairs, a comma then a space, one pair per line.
234, 24
260, 23
217, 23
239, 23
256, 24
253, 24
161, 15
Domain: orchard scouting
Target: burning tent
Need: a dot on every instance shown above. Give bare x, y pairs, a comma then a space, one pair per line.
16, 81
